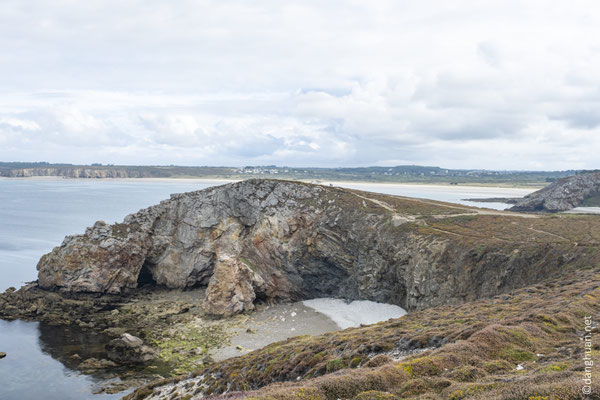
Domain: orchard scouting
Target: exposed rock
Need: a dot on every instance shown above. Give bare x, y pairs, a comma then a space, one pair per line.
78, 172
2, 354
129, 349
232, 288
94, 364
279, 240
564, 194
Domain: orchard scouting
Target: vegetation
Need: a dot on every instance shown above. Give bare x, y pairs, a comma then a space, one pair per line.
523, 345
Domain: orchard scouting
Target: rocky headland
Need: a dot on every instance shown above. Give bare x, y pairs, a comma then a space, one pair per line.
563, 194
172, 277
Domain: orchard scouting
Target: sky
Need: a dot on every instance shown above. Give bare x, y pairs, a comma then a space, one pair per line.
461, 84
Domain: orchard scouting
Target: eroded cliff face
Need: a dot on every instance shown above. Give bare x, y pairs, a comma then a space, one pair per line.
563, 195
77, 172
278, 240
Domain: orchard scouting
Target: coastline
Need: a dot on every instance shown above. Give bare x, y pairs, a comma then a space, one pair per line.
216, 180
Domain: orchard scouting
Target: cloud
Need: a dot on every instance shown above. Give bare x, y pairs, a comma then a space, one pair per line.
19, 124
469, 85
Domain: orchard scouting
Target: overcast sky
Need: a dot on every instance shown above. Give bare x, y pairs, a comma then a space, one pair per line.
458, 84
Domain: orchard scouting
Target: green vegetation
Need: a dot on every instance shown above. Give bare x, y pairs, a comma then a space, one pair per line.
187, 350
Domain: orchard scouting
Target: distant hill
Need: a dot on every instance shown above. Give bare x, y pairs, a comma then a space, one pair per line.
397, 174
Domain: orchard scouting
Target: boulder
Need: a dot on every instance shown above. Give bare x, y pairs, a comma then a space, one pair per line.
129, 349
232, 288
564, 194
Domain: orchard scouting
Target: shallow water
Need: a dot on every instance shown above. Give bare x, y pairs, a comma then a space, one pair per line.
32, 370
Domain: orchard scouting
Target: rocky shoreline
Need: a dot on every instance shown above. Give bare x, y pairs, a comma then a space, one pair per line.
170, 284
137, 327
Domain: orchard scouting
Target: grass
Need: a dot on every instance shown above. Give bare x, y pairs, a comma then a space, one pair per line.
478, 361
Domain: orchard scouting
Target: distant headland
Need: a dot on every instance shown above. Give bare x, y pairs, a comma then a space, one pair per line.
376, 174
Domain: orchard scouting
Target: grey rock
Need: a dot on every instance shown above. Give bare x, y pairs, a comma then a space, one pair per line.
279, 240
129, 349
562, 195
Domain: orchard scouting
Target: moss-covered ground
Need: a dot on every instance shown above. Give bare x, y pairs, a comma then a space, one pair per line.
522, 345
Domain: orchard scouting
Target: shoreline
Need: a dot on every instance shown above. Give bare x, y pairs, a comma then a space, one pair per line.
216, 180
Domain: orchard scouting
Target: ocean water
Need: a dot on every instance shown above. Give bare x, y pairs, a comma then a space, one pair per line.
35, 215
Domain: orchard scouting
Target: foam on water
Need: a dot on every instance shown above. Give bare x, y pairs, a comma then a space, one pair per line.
349, 314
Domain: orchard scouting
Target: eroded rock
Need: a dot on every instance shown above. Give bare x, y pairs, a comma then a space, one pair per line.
564, 194
232, 288
278, 241
129, 349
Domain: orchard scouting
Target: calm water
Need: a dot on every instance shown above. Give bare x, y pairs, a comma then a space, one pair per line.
38, 362
35, 215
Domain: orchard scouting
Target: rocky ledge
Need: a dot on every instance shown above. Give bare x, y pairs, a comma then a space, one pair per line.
276, 240
564, 194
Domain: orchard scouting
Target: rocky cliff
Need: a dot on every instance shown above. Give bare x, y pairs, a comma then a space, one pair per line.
77, 172
564, 194
278, 240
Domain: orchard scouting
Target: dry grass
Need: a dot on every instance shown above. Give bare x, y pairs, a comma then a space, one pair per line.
537, 327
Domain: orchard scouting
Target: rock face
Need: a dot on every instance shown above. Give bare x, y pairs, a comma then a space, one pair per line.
278, 240
563, 195
76, 172
232, 288
129, 349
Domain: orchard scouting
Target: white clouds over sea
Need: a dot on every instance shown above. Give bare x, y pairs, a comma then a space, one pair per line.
495, 84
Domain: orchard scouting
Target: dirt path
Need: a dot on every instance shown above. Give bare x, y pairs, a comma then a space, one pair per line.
472, 210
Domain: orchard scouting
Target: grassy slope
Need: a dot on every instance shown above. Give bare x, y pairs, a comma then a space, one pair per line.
482, 342
538, 327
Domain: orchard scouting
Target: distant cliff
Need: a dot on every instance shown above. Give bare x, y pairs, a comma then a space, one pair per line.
564, 194
77, 172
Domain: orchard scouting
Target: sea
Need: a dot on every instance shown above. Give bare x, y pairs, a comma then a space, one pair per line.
35, 216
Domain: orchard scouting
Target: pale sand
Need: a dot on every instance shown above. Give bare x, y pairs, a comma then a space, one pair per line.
584, 210
502, 191
347, 314
269, 324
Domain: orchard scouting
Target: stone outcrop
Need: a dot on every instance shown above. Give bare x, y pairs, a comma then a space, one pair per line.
129, 349
278, 240
563, 195
77, 172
